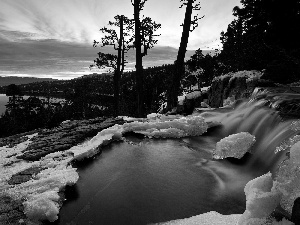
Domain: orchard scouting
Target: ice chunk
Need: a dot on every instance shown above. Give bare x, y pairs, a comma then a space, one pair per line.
235, 145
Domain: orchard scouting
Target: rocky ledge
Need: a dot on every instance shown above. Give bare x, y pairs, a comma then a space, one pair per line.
67, 135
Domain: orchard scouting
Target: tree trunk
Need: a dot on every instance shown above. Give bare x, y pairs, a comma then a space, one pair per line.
139, 60
117, 74
174, 91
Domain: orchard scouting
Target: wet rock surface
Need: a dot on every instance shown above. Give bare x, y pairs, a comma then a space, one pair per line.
11, 211
16, 139
239, 85
65, 136
24, 175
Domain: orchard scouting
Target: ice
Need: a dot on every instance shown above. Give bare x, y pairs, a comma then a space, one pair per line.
210, 218
176, 128
42, 206
40, 194
287, 144
90, 148
263, 195
295, 125
235, 145
287, 180
8, 157
261, 199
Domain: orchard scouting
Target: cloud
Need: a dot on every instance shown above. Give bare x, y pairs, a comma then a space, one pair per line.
80, 21
68, 20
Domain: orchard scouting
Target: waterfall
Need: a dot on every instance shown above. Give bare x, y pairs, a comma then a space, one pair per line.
268, 116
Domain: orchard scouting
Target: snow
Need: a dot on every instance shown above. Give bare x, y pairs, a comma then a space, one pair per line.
174, 128
229, 101
195, 93
287, 180
287, 144
261, 199
8, 156
210, 218
235, 145
250, 75
41, 192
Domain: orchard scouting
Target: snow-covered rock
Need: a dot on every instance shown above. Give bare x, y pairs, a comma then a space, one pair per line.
287, 180
235, 145
239, 84
261, 200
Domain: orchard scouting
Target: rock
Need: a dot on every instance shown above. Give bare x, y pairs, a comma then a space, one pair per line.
12, 141
296, 212
240, 85
65, 136
24, 175
11, 211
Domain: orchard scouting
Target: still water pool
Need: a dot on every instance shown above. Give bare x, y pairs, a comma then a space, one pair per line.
154, 181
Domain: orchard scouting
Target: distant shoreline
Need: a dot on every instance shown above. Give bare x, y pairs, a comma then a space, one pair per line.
4, 100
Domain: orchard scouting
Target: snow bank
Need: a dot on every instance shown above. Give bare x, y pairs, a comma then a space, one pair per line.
235, 145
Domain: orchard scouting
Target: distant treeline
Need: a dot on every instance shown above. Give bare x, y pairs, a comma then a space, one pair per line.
5, 81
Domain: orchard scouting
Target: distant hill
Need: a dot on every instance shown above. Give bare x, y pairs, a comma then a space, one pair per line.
4, 81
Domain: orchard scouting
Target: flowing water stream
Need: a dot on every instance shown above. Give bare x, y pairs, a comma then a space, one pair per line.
153, 181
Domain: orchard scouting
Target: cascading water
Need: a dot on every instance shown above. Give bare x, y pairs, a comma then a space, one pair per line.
268, 116
160, 180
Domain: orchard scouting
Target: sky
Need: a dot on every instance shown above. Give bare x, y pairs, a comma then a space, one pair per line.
53, 38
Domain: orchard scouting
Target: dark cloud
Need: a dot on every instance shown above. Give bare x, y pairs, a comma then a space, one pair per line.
63, 59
